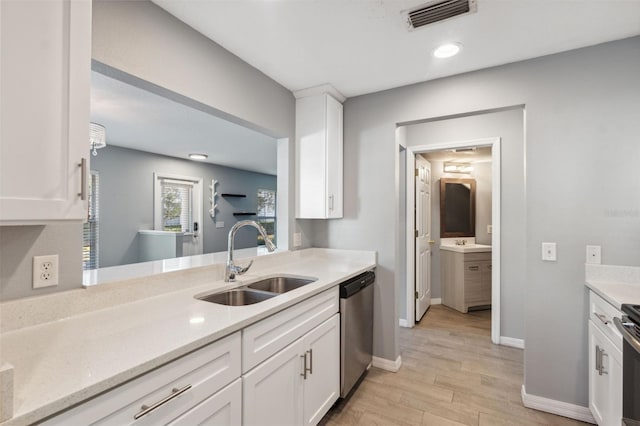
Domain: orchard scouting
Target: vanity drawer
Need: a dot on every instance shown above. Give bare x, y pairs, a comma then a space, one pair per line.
265, 338
191, 378
602, 314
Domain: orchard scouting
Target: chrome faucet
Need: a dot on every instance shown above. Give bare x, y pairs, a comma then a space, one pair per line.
232, 269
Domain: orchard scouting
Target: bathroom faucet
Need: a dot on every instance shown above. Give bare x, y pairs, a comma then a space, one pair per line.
231, 269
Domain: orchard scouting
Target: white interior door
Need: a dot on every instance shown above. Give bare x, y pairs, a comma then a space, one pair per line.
423, 236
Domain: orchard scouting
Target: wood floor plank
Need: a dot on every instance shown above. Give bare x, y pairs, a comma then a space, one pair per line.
451, 375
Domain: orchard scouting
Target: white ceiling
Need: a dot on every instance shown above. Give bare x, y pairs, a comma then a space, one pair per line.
478, 155
138, 119
363, 46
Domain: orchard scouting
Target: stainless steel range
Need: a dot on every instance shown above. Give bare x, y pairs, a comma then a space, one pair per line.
629, 326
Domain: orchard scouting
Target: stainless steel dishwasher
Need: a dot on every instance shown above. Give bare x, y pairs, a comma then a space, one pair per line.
356, 329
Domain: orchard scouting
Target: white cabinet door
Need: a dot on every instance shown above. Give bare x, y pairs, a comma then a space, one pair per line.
272, 392
44, 119
322, 383
605, 378
334, 158
319, 158
221, 409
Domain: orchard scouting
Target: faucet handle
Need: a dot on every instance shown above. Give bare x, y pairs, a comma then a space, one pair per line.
239, 270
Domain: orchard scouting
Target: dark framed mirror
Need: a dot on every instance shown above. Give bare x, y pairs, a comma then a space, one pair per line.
457, 208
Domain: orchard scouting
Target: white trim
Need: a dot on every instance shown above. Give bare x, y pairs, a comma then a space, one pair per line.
319, 90
512, 341
494, 143
404, 323
437, 301
572, 411
386, 364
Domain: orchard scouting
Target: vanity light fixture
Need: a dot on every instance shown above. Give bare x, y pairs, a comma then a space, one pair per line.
457, 167
198, 156
447, 50
97, 137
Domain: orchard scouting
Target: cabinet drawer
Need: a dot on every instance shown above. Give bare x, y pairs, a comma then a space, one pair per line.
602, 314
268, 336
222, 409
475, 257
202, 373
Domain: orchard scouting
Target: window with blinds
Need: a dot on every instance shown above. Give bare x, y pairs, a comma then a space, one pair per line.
267, 213
90, 228
177, 205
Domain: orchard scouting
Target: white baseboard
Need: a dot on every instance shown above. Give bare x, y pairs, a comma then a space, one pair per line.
577, 412
511, 341
386, 364
404, 323
437, 301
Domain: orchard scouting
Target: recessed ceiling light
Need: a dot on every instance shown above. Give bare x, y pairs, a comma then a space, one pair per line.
198, 156
447, 50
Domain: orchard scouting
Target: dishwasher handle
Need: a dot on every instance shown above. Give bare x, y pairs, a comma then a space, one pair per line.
356, 284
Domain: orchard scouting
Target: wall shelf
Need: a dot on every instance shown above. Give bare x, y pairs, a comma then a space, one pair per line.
244, 214
234, 195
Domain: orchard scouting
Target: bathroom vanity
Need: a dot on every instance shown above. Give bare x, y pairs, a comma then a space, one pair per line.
465, 275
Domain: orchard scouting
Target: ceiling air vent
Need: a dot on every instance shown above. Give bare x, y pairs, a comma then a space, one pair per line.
439, 11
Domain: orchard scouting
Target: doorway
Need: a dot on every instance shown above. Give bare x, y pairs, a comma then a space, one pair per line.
414, 255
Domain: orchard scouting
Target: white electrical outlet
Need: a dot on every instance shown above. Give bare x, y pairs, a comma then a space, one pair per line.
594, 255
489, 229
297, 239
549, 251
219, 224
45, 271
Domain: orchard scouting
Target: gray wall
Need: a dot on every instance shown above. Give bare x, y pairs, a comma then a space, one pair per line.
141, 40
582, 187
126, 200
509, 126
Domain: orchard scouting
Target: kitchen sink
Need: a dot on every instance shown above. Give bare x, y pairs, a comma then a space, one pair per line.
237, 297
280, 284
256, 292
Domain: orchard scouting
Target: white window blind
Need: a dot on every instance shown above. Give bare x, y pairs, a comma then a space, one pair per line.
177, 205
267, 213
90, 229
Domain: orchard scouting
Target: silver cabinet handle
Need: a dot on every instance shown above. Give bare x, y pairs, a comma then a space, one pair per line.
146, 409
83, 175
602, 318
304, 365
330, 202
598, 359
474, 268
599, 364
310, 361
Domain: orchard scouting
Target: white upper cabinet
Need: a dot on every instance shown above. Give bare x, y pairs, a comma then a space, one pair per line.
44, 115
318, 157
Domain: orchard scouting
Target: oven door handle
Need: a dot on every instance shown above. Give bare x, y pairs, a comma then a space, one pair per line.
630, 338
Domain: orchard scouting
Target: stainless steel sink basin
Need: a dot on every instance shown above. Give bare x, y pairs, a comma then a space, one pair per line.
280, 284
237, 297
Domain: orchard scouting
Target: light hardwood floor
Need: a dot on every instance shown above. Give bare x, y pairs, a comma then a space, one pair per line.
451, 374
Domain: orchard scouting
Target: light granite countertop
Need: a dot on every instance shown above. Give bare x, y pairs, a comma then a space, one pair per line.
615, 284
67, 360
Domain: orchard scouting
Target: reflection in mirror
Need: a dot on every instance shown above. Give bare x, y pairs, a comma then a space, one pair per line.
457, 207
150, 201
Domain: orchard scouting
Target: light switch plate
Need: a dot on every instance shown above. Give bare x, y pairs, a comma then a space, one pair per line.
549, 252
219, 224
297, 239
489, 229
594, 255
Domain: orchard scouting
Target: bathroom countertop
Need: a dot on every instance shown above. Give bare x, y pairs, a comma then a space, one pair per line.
467, 248
60, 363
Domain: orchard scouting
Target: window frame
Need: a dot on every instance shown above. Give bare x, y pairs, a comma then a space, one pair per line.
196, 199
260, 219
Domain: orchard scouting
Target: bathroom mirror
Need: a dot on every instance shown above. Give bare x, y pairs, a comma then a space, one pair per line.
457, 207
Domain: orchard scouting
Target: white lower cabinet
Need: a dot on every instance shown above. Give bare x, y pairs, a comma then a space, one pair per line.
605, 378
297, 385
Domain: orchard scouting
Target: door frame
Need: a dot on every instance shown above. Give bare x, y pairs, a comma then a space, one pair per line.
494, 143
